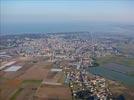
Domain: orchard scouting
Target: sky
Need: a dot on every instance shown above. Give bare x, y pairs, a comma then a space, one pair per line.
62, 15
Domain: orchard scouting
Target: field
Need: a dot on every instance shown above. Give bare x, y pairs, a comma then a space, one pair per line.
25, 66
119, 89
26, 90
8, 87
129, 62
23, 83
126, 48
51, 93
34, 73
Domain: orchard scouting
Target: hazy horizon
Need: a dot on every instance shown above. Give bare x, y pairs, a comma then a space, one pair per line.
62, 15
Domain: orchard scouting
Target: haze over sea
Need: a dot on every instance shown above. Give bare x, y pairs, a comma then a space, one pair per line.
32, 16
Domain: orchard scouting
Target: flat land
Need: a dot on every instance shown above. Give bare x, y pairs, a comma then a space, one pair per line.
8, 87
23, 83
126, 48
17, 89
34, 73
25, 66
26, 91
46, 92
128, 62
55, 77
119, 89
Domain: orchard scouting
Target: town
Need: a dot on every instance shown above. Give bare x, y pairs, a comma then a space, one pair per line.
57, 65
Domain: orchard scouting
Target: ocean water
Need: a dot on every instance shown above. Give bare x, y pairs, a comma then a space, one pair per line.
43, 27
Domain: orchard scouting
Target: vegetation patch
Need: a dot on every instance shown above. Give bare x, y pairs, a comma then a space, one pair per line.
17, 92
21, 88
32, 81
116, 59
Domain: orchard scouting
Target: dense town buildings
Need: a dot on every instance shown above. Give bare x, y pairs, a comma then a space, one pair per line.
72, 55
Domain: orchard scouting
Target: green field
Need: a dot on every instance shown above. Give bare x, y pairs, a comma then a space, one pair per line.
116, 59
32, 81
17, 92
24, 84
126, 48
